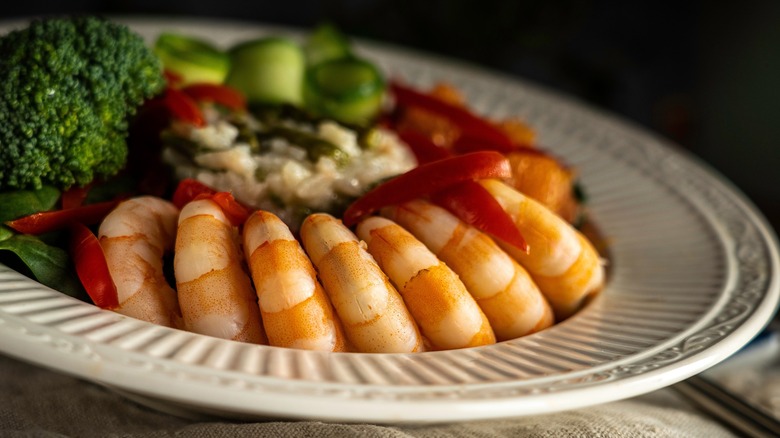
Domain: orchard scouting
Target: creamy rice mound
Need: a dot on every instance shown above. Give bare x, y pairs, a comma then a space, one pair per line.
261, 164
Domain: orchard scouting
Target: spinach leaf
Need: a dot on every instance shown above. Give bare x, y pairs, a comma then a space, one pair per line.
47, 264
25, 202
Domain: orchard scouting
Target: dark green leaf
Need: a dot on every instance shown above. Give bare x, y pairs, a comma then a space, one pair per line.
45, 263
5, 233
25, 202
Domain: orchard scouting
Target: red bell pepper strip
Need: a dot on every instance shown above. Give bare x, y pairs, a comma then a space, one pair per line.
236, 212
92, 268
423, 148
74, 196
172, 78
466, 143
220, 94
46, 221
474, 205
427, 179
469, 124
183, 107
190, 190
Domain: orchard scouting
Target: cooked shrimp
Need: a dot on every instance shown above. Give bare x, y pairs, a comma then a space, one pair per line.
562, 262
446, 313
134, 238
502, 288
215, 293
544, 178
295, 310
373, 313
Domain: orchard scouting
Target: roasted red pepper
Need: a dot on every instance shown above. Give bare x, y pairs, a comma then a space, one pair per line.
474, 205
74, 196
46, 221
182, 104
468, 143
422, 147
171, 104
190, 189
92, 268
427, 179
472, 126
183, 107
220, 94
172, 78
236, 212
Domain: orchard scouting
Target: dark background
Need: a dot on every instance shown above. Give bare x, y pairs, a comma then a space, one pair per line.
704, 74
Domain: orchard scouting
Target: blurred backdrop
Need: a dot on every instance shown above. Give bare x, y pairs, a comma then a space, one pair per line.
704, 74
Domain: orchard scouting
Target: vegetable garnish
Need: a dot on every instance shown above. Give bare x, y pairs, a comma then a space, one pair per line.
190, 190
326, 42
428, 179
467, 142
190, 59
473, 127
348, 89
68, 86
182, 103
422, 147
74, 196
46, 221
236, 212
173, 79
183, 107
268, 70
474, 205
20, 203
220, 94
92, 268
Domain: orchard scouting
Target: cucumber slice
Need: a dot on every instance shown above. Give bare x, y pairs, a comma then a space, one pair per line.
326, 42
192, 59
347, 89
268, 70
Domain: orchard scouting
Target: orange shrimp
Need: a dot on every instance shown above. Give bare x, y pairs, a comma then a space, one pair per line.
215, 294
503, 289
546, 179
373, 313
446, 313
562, 262
134, 238
295, 310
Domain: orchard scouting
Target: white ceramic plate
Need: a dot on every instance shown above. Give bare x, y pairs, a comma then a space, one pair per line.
694, 277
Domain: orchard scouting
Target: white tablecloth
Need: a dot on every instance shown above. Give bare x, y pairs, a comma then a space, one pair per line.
36, 402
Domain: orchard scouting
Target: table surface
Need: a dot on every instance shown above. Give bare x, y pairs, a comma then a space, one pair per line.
35, 401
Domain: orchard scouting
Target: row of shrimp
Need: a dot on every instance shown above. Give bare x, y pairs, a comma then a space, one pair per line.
413, 278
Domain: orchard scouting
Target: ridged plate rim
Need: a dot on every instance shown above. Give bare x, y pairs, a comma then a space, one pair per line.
190, 374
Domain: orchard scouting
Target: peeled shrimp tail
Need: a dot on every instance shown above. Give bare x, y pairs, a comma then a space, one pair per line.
502, 288
446, 313
295, 310
373, 313
134, 238
562, 262
215, 293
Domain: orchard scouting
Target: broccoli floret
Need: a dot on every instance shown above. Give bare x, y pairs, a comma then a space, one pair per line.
68, 86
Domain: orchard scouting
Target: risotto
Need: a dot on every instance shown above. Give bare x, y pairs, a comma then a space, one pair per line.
281, 160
